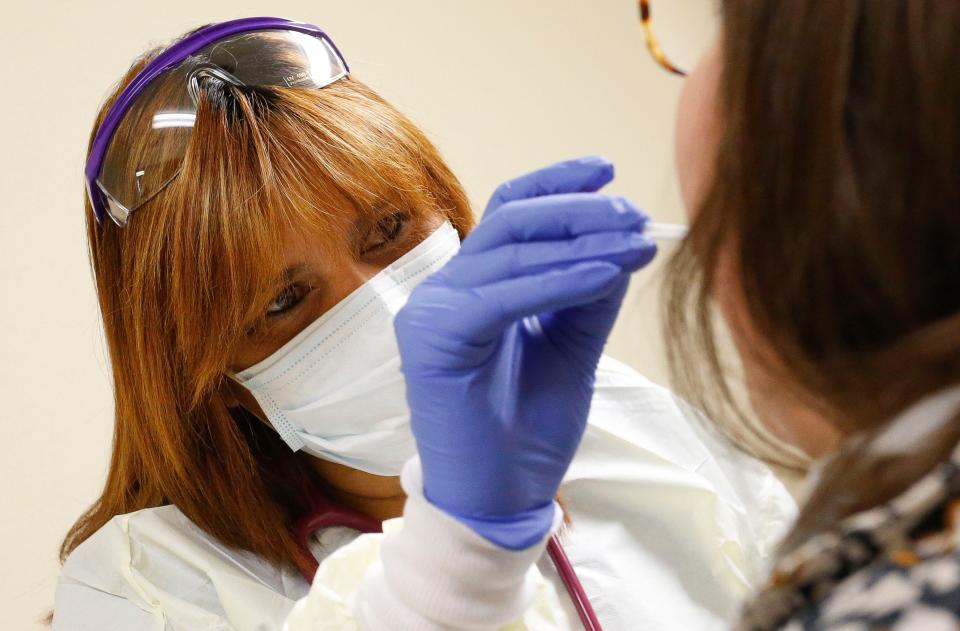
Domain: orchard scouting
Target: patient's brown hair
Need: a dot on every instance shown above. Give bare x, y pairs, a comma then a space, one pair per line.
837, 201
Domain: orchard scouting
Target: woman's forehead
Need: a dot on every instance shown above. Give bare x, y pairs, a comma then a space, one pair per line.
325, 238
322, 236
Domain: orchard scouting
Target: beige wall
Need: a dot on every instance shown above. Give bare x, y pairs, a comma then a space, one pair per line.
502, 86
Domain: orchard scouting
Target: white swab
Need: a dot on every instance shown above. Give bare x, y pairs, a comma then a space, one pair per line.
665, 231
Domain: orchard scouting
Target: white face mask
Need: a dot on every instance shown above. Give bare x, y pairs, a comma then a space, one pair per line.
336, 390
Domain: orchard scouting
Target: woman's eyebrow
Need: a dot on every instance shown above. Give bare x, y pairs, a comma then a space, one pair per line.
303, 273
293, 271
289, 274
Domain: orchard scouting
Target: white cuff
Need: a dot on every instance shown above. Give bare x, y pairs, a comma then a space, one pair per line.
437, 573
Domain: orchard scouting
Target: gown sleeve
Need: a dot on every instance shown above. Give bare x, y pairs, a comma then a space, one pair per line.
428, 572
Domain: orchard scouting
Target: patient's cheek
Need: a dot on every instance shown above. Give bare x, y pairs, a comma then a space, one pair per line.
697, 131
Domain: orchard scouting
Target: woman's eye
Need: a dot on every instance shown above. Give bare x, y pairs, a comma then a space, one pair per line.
287, 299
384, 233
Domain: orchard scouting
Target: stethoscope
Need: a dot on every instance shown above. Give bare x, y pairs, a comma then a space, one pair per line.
324, 514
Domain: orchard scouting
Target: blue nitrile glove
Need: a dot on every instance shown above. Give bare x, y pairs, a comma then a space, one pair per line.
500, 347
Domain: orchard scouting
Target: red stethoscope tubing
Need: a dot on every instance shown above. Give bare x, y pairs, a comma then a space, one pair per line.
574, 587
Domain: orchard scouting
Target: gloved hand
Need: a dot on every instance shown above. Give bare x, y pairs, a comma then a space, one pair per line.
500, 347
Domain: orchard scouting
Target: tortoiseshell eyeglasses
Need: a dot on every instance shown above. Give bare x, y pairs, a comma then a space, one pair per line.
679, 32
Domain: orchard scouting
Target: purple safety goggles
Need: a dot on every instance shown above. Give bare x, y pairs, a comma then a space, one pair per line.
140, 147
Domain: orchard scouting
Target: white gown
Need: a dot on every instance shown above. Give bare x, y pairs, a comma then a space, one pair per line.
671, 529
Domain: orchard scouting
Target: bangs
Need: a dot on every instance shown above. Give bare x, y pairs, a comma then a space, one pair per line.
273, 161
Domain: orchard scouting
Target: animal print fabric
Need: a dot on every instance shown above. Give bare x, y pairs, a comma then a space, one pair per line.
895, 567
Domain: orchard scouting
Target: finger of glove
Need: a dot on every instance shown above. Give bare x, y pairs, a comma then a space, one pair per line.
628, 250
586, 327
583, 329
498, 305
586, 174
555, 217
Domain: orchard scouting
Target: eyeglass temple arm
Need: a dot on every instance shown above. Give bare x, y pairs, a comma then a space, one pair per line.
651, 40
